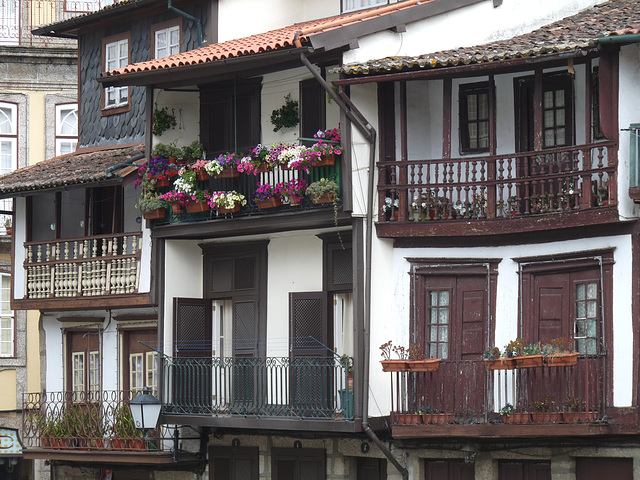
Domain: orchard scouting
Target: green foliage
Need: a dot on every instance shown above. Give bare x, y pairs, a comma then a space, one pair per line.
286, 116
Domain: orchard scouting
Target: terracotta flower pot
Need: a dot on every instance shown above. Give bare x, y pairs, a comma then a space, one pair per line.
426, 365
269, 203
197, 207
224, 210
324, 198
154, 214
529, 361
562, 360
326, 161
201, 175
177, 208
394, 365
500, 364
228, 173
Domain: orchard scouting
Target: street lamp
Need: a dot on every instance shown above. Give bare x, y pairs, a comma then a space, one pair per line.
145, 410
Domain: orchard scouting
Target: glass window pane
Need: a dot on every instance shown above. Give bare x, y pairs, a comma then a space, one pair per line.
443, 334
581, 330
592, 291
472, 107
591, 328
560, 118
548, 100
433, 297
483, 106
581, 311
444, 297
443, 350
559, 98
560, 133
580, 291
443, 316
548, 119
549, 138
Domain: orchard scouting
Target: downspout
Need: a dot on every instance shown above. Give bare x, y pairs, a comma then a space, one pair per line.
188, 17
369, 133
619, 39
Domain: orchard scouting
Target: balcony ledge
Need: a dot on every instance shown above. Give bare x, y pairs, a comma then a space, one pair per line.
113, 456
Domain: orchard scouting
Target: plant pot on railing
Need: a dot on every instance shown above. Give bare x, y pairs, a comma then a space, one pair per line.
269, 203
426, 365
228, 173
562, 360
517, 418
406, 418
503, 363
529, 361
437, 418
154, 214
579, 417
394, 365
197, 207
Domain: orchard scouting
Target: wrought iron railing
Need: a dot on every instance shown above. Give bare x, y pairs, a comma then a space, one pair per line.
90, 266
246, 185
539, 395
19, 18
297, 387
82, 421
504, 186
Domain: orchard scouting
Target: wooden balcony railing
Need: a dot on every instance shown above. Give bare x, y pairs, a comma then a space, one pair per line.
454, 394
82, 421
84, 267
503, 186
299, 387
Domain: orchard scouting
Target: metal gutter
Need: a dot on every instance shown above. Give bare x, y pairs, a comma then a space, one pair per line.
370, 135
188, 17
619, 39
122, 165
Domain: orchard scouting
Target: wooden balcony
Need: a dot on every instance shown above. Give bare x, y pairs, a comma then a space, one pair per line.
560, 187
82, 268
276, 388
465, 398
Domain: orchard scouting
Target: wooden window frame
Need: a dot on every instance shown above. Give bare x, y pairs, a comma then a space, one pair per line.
11, 136
464, 92
120, 108
87, 351
127, 351
158, 27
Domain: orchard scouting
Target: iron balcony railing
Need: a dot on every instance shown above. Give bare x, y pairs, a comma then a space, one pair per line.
538, 395
297, 387
83, 267
82, 421
503, 186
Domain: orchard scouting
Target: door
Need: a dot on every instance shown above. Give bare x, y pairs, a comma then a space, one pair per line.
311, 354
298, 464
228, 463
449, 470
83, 364
524, 470
139, 361
597, 468
452, 324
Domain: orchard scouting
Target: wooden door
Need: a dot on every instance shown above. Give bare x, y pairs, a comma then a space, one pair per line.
298, 464
84, 370
524, 470
139, 361
598, 468
452, 324
449, 470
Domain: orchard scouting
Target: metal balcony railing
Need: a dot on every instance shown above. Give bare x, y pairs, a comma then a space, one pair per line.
504, 186
90, 266
82, 421
298, 387
541, 395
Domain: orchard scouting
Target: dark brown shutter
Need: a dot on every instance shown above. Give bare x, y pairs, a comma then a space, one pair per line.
371, 469
310, 330
298, 464
472, 306
312, 108
227, 463
599, 468
551, 308
524, 470
449, 470
608, 90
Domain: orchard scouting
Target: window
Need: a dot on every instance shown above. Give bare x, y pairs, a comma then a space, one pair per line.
140, 364
350, 5
166, 39
8, 137
83, 372
474, 118
116, 55
312, 108
10, 31
6, 318
437, 323
66, 128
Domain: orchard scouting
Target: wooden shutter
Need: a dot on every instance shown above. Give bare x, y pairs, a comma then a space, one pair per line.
449, 470
227, 463
298, 464
312, 108
524, 470
371, 469
599, 468
551, 308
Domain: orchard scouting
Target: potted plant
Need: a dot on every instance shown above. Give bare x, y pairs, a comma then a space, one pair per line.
152, 206
162, 120
125, 434
494, 360
293, 157
158, 170
544, 410
323, 191
8, 227
200, 168
294, 190
198, 201
193, 151
286, 116
560, 352
576, 411
177, 200
389, 364
267, 196
327, 147
417, 361
409, 359
223, 166
434, 417
532, 356
511, 414
227, 202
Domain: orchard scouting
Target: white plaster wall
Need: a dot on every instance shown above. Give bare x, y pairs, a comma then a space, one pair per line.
54, 360
294, 265
391, 301
110, 363
19, 237
183, 278
185, 106
263, 16
474, 25
629, 113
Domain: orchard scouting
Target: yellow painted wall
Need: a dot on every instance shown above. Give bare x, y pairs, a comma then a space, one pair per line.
36, 127
33, 352
8, 383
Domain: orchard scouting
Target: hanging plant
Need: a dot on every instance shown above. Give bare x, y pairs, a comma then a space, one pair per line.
286, 116
162, 121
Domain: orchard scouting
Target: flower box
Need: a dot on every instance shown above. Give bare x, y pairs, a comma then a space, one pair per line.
326, 161
324, 198
269, 203
579, 417
517, 417
223, 210
228, 173
163, 182
177, 208
437, 418
529, 361
294, 202
562, 360
197, 207
407, 418
545, 417
154, 214
394, 365
262, 168
426, 365
500, 364
201, 175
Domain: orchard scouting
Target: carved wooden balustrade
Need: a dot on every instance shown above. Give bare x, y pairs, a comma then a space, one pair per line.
504, 186
90, 266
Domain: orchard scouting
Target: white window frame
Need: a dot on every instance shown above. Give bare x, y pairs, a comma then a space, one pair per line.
136, 359
7, 335
9, 136
66, 114
77, 373
94, 373
113, 59
354, 5
171, 48
151, 374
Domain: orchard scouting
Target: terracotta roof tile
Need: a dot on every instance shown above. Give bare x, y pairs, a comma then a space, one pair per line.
84, 166
574, 33
282, 38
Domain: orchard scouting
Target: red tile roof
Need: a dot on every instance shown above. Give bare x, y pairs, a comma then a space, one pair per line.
84, 166
282, 38
576, 33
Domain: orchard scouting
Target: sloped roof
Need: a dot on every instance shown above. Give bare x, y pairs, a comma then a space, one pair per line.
283, 38
575, 33
83, 166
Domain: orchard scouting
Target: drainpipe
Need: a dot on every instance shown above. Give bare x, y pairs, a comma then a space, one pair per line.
619, 39
188, 17
369, 133
111, 170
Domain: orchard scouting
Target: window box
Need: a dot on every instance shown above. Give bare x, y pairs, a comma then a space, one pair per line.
562, 360
154, 214
394, 365
426, 365
269, 203
437, 418
500, 364
529, 361
197, 207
